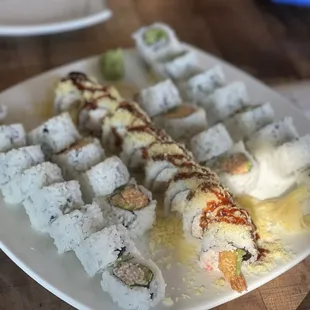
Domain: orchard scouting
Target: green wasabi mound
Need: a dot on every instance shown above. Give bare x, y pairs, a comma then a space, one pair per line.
154, 35
112, 65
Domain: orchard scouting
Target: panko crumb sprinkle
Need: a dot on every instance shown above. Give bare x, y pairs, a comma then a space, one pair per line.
219, 282
168, 302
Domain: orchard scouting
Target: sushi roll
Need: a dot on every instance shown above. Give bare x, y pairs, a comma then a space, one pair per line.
177, 66
45, 205
225, 101
136, 140
134, 283
115, 125
55, 135
70, 229
201, 85
12, 136
159, 98
249, 120
104, 178
211, 143
103, 248
237, 169
130, 205
156, 41
30, 180
16, 161
182, 122
79, 157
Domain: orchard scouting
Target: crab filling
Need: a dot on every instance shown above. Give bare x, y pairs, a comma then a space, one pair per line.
129, 198
133, 274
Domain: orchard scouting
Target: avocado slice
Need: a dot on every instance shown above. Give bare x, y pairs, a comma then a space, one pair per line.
154, 35
112, 65
240, 253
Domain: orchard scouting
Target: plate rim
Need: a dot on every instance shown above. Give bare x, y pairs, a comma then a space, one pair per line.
79, 304
57, 27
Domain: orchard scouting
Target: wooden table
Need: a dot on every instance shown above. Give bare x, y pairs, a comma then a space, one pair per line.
271, 42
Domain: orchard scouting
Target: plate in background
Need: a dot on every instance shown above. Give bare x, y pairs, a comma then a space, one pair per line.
38, 17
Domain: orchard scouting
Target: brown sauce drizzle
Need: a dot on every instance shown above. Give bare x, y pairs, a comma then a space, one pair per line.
134, 111
262, 253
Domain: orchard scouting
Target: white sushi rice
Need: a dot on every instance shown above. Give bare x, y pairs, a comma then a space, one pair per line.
135, 298
183, 128
12, 136
45, 205
225, 101
243, 124
137, 222
159, 98
161, 48
70, 229
226, 237
80, 157
103, 247
211, 143
196, 88
55, 135
104, 178
17, 160
30, 180
240, 184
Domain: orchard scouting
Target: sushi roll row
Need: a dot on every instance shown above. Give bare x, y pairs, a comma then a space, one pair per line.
100, 233
190, 189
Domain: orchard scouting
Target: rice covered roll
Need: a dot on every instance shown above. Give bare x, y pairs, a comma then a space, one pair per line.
55, 135
183, 121
12, 136
136, 140
70, 229
115, 125
45, 205
249, 120
211, 143
17, 160
79, 157
134, 283
156, 41
196, 88
103, 248
225, 101
237, 169
30, 180
177, 66
104, 178
130, 205
159, 98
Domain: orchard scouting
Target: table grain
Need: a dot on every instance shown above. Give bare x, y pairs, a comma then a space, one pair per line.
269, 41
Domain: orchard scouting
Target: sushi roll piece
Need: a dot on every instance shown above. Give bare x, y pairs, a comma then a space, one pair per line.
103, 248
177, 66
237, 169
55, 135
71, 229
134, 283
182, 122
115, 125
211, 143
249, 120
201, 85
12, 136
156, 41
79, 157
130, 205
45, 205
225, 101
29, 181
270, 136
136, 140
159, 98
16, 161
103, 178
